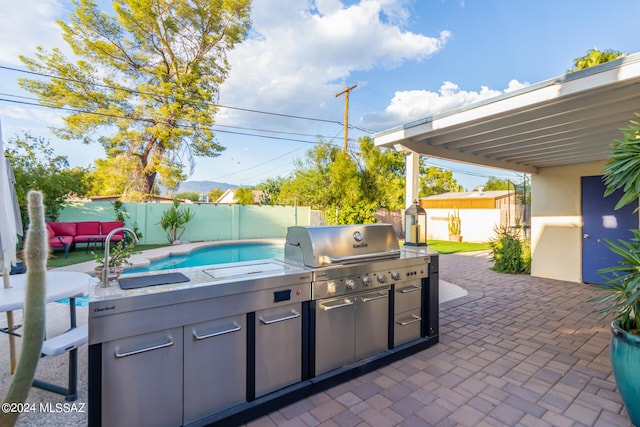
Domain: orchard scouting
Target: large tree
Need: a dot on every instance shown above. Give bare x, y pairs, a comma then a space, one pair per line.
146, 79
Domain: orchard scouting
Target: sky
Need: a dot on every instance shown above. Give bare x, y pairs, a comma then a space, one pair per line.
409, 59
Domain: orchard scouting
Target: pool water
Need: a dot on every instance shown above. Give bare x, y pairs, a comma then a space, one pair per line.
215, 255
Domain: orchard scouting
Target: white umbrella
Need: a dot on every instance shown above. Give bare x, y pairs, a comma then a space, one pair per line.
10, 227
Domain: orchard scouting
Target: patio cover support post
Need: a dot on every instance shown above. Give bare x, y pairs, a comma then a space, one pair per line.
413, 174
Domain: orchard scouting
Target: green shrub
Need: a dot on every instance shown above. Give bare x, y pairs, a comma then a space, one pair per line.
510, 253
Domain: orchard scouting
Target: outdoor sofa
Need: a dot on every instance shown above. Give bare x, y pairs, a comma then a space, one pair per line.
65, 235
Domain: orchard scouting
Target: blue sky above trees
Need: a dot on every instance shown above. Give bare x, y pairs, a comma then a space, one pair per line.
410, 59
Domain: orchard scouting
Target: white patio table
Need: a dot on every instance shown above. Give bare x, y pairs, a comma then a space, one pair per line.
60, 285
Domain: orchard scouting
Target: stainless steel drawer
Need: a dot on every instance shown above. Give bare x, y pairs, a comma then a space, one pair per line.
406, 326
407, 297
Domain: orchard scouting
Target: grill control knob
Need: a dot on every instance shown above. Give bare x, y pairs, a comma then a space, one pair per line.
331, 288
382, 278
395, 275
351, 285
366, 280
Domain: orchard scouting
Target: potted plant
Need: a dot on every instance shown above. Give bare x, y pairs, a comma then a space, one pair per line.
621, 297
119, 255
454, 224
621, 290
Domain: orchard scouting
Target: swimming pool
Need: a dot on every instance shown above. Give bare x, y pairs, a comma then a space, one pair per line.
220, 254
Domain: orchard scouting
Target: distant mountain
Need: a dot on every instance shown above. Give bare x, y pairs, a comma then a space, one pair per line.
203, 187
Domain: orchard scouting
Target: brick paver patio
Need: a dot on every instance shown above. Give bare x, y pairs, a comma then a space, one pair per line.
517, 350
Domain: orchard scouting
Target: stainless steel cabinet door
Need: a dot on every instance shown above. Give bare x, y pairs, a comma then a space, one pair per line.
214, 366
372, 323
278, 348
408, 297
335, 325
142, 380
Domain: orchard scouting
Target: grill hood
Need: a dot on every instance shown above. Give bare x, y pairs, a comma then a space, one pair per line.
344, 244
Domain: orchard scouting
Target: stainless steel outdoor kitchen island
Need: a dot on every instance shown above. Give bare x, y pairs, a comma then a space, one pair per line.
224, 344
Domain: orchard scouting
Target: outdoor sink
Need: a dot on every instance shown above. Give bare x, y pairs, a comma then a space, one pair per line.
152, 280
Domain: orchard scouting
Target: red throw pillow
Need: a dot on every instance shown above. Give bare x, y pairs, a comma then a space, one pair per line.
50, 230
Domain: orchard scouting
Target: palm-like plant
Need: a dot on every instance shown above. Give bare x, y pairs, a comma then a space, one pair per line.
623, 169
174, 219
621, 290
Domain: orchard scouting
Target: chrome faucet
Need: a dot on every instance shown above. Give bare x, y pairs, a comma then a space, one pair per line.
107, 241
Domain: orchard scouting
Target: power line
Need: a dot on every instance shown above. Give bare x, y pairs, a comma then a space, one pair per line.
114, 116
215, 125
137, 92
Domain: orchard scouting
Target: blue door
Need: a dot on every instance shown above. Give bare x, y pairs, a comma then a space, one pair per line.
601, 221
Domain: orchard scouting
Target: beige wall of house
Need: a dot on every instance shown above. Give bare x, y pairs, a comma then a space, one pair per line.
556, 220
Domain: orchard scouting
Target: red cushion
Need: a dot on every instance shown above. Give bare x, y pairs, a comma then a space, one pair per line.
107, 227
63, 228
88, 228
59, 241
50, 230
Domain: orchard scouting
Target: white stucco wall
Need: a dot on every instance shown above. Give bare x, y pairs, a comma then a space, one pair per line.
476, 225
556, 220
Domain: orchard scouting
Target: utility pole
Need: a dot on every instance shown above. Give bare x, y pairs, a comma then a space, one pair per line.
346, 112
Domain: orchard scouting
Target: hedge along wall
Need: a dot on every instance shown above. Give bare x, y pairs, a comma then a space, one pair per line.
211, 222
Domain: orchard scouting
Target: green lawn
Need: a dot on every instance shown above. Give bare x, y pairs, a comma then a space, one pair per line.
446, 247
57, 259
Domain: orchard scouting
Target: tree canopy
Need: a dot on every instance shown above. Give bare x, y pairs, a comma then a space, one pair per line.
36, 167
347, 187
595, 57
434, 180
494, 183
145, 82
243, 196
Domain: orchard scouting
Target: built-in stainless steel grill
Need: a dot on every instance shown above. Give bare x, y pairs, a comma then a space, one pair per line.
356, 270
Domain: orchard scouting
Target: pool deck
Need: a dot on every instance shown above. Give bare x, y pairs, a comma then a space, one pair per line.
517, 350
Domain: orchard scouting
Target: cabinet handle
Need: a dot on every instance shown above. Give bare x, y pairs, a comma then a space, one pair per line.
411, 289
142, 350
331, 307
236, 327
408, 322
379, 296
293, 315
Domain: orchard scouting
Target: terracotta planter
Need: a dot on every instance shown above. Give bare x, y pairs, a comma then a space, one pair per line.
455, 238
625, 359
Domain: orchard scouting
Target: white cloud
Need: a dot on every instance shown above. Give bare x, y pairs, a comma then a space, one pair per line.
407, 106
29, 23
301, 53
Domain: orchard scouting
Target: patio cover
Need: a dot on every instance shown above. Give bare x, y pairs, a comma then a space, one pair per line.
565, 120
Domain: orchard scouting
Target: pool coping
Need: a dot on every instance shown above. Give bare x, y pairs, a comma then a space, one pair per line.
146, 257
